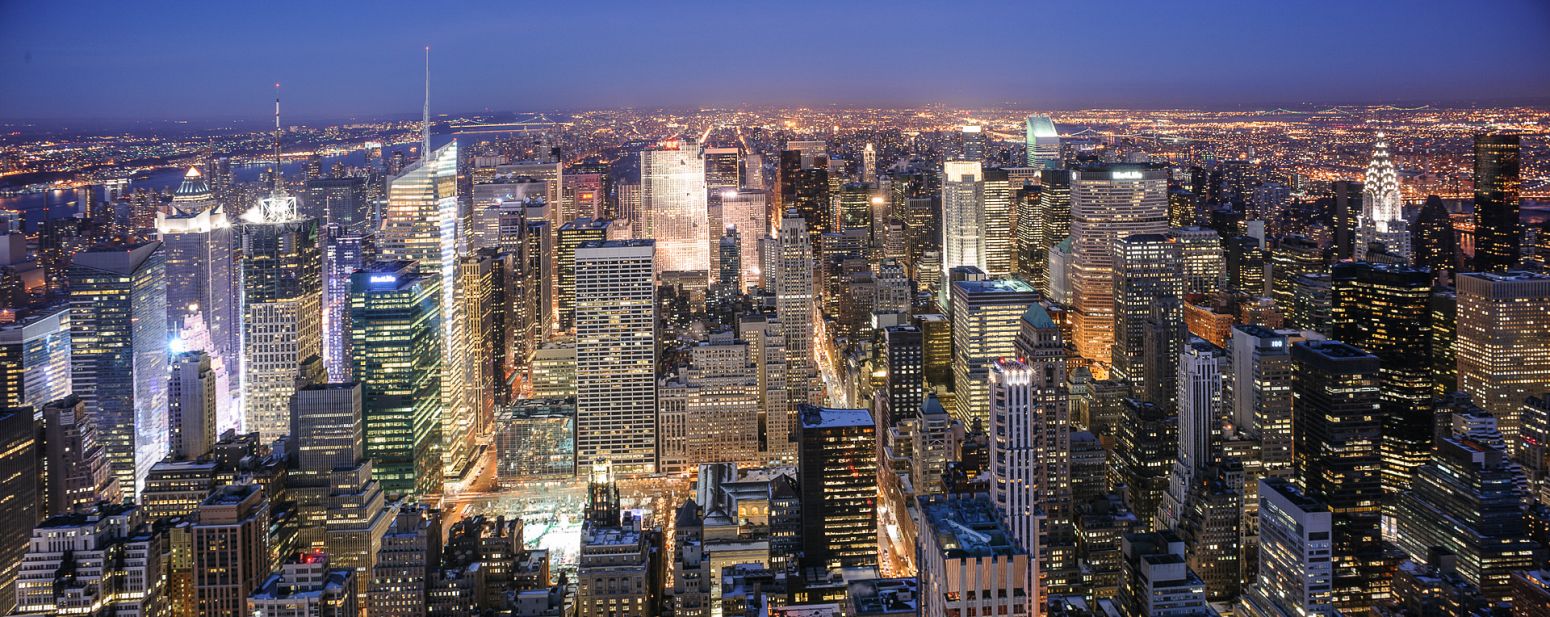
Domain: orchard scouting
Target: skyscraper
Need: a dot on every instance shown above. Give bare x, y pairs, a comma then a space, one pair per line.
282, 343
1498, 230
202, 286
76, 466
1052, 225
1382, 221
1386, 311
191, 396
1145, 447
986, 319
1294, 566
571, 235
395, 336
616, 355
795, 305
1336, 429
963, 216
231, 549
1199, 403
1503, 344
1042, 140
118, 331
903, 361
421, 224
1204, 263
673, 199
997, 222
1468, 501
1108, 203
19, 494
837, 473
327, 422
35, 357
344, 252
1030, 450
1258, 392
970, 561
1147, 270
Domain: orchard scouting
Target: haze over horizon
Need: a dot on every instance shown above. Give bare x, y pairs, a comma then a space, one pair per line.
130, 62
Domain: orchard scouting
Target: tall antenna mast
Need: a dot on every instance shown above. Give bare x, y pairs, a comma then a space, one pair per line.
425, 118
278, 188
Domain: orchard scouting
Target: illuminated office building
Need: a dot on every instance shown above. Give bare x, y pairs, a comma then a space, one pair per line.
795, 304
571, 235
344, 252
902, 362
996, 224
395, 336
1145, 447
1042, 140
963, 216
1498, 230
19, 493
1292, 257
1336, 412
1382, 221
1107, 204
35, 357
986, 319
1294, 567
118, 335
231, 550
1147, 270
616, 355
974, 142
971, 562
1030, 448
1386, 311
191, 396
1051, 226
282, 294
673, 201
1204, 262
482, 276
1503, 344
1257, 392
747, 211
421, 224
1468, 500
202, 285
837, 473
721, 168
1198, 408
1436, 247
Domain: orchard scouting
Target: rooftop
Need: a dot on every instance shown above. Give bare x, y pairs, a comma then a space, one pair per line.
814, 416
967, 526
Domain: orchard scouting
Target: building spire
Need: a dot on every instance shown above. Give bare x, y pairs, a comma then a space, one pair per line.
278, 187
425, 117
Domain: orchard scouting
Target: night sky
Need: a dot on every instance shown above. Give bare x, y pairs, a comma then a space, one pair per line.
218, 60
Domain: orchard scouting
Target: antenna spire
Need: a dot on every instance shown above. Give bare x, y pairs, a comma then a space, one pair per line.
278, 187
425, 118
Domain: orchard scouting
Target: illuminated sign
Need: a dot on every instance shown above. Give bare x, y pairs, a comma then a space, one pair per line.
383, 278
1125, 175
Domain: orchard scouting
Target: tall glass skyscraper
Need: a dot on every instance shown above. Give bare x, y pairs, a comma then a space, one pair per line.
282, 295
673, 198
1043, 142
203, 308
1498, 230
1108, 203
395, 337
963, 216
118, 330
421, 224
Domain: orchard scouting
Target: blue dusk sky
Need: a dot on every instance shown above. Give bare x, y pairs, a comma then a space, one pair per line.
152, 60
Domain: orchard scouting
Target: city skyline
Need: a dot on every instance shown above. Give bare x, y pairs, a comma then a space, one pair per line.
340, 63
